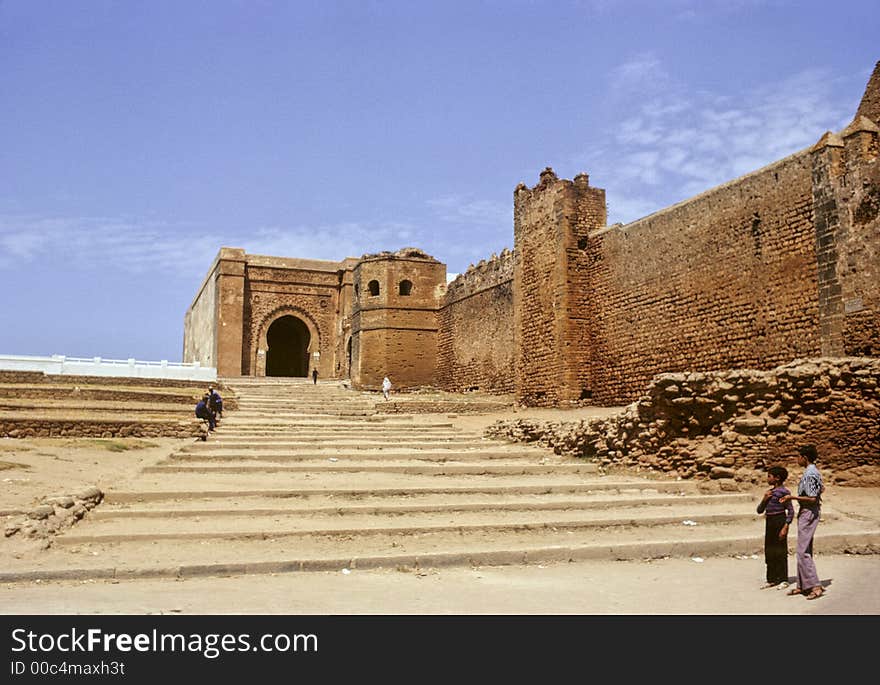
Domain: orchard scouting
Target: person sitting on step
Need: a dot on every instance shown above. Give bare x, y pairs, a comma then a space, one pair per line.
215, 402
204, 412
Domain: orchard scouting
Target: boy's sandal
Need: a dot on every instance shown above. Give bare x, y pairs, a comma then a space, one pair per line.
816, 593
795, 591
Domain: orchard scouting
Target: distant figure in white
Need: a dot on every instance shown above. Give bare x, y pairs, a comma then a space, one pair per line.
386, 387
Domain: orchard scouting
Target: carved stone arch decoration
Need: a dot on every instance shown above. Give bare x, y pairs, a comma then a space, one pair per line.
258, 358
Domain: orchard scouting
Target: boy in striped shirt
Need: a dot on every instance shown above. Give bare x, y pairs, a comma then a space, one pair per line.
778, 514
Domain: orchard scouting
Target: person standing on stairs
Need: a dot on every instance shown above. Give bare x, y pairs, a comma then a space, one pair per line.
315, 376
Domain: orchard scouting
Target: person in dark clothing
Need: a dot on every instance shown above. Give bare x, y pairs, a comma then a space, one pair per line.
315, 376
204, 412
215, 402
778, 514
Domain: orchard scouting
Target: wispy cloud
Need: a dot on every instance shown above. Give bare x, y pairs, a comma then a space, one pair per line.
183, 250
471, 228
330, 241
676, 143
469, 211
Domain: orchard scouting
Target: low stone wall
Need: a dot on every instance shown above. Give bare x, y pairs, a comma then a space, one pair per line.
75, 392
734, 424
96, 428
188, 400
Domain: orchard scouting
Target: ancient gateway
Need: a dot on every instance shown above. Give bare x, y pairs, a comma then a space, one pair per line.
781, 263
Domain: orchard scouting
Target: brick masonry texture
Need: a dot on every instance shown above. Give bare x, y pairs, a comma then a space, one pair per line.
733, 424
476, 342
724, 280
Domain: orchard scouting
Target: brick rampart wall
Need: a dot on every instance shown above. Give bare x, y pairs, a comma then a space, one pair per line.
476, 342
724, 280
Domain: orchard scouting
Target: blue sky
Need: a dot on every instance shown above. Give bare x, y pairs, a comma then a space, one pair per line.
137, 138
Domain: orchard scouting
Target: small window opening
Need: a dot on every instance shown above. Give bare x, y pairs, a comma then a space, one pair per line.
405, 287
374, 288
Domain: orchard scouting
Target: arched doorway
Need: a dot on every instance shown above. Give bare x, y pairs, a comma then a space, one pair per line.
287, 352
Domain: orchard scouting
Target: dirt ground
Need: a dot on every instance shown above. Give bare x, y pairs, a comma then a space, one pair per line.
34, 468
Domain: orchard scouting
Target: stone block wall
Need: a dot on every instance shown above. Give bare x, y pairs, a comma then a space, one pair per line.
734, 424
476, 342
724, 280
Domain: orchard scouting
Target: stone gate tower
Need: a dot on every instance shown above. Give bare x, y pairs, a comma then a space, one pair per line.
394, 325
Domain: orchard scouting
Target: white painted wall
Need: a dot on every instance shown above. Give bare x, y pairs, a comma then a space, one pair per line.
58, 364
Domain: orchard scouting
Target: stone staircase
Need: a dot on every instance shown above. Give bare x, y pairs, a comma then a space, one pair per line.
309, 477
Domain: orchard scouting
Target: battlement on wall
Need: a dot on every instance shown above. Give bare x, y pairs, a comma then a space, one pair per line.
486, 274
549, 180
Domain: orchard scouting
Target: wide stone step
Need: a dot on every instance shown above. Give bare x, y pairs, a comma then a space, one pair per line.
225, 440
345, 446
416, 523
251, 402
356, 457
312, 420
399, 467
447, 491
194, 558
338, 505
295, 416
261, 480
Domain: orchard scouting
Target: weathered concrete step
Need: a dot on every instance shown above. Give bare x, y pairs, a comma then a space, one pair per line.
361, 466
327, 432
367, 480
254, 558
464, 524
601, 486
312, 432
242, 416
361, 424
334, 449
224, 440
302, 408
324, 505
251, 403
478, 453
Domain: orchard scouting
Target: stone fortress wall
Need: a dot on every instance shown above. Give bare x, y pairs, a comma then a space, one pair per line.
476, 345
782, 263
724, 280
